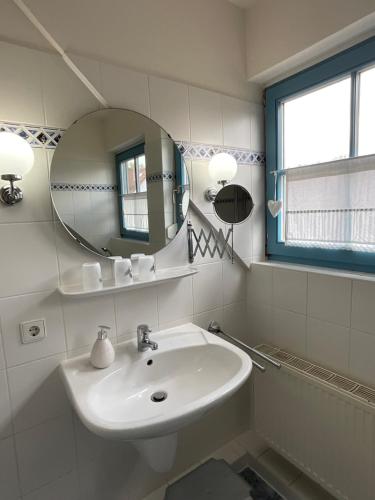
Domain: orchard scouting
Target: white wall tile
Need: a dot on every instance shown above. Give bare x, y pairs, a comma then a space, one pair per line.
260, 324
20, 89
15, 310
236, 122
82, 319
65, 97
257, 127
31, 258
290, 290
36, 392
64, 488
235, 320
258, 233
175, 253
329, 298
169, 102
363, 310
5, 411
134, 308
45, 453
259, 284
234, 282
89, 445
205, 116
207, 286
90, 68
9, 489
201, 181
203, 319
328, 344
290, 331
71, 256
175, 300
2, 358
36, 205
362, 355
124, 88
176, 322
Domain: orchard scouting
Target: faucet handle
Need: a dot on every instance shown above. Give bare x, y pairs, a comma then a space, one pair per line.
143, 330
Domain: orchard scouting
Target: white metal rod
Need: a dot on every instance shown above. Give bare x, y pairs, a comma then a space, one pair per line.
35, 22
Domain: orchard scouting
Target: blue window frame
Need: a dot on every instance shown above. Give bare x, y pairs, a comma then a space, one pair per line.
134, 186
348, 62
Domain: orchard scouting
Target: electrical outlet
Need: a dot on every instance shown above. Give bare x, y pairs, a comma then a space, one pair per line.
33, 331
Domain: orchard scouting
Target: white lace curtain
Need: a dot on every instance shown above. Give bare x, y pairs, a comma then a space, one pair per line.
331, 205
136, 211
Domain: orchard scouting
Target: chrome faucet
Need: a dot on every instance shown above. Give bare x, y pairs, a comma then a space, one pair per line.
144, 341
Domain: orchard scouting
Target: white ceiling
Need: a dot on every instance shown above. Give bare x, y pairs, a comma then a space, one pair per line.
244, 4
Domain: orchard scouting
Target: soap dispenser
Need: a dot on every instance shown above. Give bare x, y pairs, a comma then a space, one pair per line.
102, 354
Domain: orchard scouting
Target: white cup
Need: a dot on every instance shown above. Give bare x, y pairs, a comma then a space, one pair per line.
122, 271
135, 264
113, 259
92, 276
146, 266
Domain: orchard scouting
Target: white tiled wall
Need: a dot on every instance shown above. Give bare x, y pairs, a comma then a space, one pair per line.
45, 453
326, 318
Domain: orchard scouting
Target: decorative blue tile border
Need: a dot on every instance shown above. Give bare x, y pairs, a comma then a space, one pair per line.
162, 176
36, 135
195, 151
48, 137
64, 186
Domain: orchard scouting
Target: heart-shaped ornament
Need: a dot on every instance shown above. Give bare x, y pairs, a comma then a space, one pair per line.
274, 206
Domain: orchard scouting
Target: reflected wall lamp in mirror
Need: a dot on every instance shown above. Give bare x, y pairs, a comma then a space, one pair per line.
16, 159
222, 169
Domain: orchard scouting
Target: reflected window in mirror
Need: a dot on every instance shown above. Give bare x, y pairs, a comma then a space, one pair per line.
132, 183
119, 183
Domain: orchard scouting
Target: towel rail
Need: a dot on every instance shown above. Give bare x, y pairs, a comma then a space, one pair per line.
215, 328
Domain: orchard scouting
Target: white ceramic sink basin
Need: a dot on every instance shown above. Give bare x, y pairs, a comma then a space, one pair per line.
195, 368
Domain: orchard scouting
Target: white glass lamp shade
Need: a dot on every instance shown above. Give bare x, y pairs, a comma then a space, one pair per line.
16, 154
222, 167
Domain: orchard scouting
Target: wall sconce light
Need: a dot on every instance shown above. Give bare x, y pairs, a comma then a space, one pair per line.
16, 159
222, 168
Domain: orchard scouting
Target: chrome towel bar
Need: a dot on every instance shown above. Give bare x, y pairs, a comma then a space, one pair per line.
215, 328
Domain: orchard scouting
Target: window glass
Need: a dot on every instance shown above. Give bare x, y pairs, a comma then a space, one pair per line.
141, 168
366, 130
316, 125
131, 186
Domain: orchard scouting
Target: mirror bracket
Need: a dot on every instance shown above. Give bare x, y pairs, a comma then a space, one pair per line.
211, 243
210, 194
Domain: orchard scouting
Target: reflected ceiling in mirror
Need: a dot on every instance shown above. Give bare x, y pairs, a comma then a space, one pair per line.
233, 204
119, 183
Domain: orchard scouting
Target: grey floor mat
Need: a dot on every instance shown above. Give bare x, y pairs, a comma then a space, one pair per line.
213, 480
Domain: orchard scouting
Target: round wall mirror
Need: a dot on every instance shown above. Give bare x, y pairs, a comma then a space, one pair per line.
233, 204
119, 183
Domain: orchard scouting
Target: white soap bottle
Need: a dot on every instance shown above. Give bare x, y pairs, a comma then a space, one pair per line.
102, 353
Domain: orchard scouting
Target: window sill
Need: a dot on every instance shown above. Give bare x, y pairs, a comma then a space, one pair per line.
318, 270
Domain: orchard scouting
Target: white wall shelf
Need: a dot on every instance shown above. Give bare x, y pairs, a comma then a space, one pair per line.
161, 276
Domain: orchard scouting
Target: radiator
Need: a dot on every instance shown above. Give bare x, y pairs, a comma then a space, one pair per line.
320, 421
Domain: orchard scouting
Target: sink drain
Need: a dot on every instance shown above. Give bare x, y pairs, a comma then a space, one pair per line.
159, 396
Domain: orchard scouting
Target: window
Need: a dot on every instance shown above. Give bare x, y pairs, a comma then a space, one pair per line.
131, 172
320, 127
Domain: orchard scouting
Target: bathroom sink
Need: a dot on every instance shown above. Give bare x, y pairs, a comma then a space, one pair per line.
145, 395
